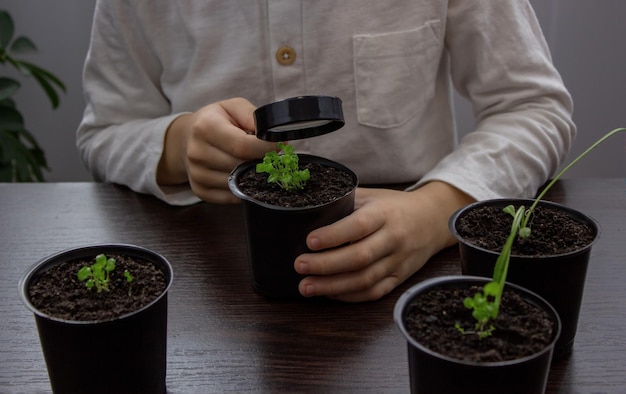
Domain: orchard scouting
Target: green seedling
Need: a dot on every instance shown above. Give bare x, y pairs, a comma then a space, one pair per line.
98, 274
283, 169
485, 305
129, 280
128, 276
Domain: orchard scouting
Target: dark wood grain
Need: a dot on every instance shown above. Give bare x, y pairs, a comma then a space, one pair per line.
224, 337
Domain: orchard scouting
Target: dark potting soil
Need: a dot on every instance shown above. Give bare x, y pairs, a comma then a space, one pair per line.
59, 293
325, 185
521, 328
553, 232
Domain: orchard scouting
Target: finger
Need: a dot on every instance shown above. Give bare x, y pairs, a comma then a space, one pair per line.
229, 137
240, 147
212, 186
216, 196
216, 131
352, 257
353, 227
241, 113
378, 291
206, 178
203, 157
370, 283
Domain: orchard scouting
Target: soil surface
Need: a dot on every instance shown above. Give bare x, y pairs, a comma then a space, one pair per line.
521, 328
553, 232
326, 184
59, 293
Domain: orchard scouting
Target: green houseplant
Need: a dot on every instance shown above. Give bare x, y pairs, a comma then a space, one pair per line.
550, 255
21, 157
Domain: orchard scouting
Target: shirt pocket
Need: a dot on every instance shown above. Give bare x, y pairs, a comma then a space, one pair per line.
395, 74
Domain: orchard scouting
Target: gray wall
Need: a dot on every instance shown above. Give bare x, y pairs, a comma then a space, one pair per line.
586, 39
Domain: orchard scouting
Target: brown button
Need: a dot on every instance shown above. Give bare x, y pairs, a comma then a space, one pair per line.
285, 55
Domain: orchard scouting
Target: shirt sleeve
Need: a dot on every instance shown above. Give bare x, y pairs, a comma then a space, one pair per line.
121, 135
501, 63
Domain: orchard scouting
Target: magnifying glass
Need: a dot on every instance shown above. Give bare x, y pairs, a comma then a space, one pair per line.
298, 117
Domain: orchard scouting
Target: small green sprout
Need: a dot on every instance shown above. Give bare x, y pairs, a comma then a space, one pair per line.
128, 276
129, 280
283, 169
97, 274
485, 305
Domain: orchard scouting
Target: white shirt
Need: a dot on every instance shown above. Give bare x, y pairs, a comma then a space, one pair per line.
393, 63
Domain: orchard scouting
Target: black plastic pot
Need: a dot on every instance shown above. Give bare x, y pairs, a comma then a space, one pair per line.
431, 372
123, 355
277, 235
560, 279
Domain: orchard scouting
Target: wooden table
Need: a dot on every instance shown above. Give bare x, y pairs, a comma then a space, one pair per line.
224, 337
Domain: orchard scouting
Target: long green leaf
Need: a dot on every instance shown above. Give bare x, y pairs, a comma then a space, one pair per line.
50, 92
564, 170
46, 80
502, 263
45, 74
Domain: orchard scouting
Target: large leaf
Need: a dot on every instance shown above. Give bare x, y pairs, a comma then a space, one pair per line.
8, 87
11, 119
6, 29
23, 45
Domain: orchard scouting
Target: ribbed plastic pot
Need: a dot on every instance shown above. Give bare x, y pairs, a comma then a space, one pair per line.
432, 372
277, 235
560, 279
123, 355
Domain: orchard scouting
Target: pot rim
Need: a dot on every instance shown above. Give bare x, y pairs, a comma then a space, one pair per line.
88, 250
241, 168
505, 201
408, 295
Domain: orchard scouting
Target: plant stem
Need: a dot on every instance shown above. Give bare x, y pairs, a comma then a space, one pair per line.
556, 178
502, 263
